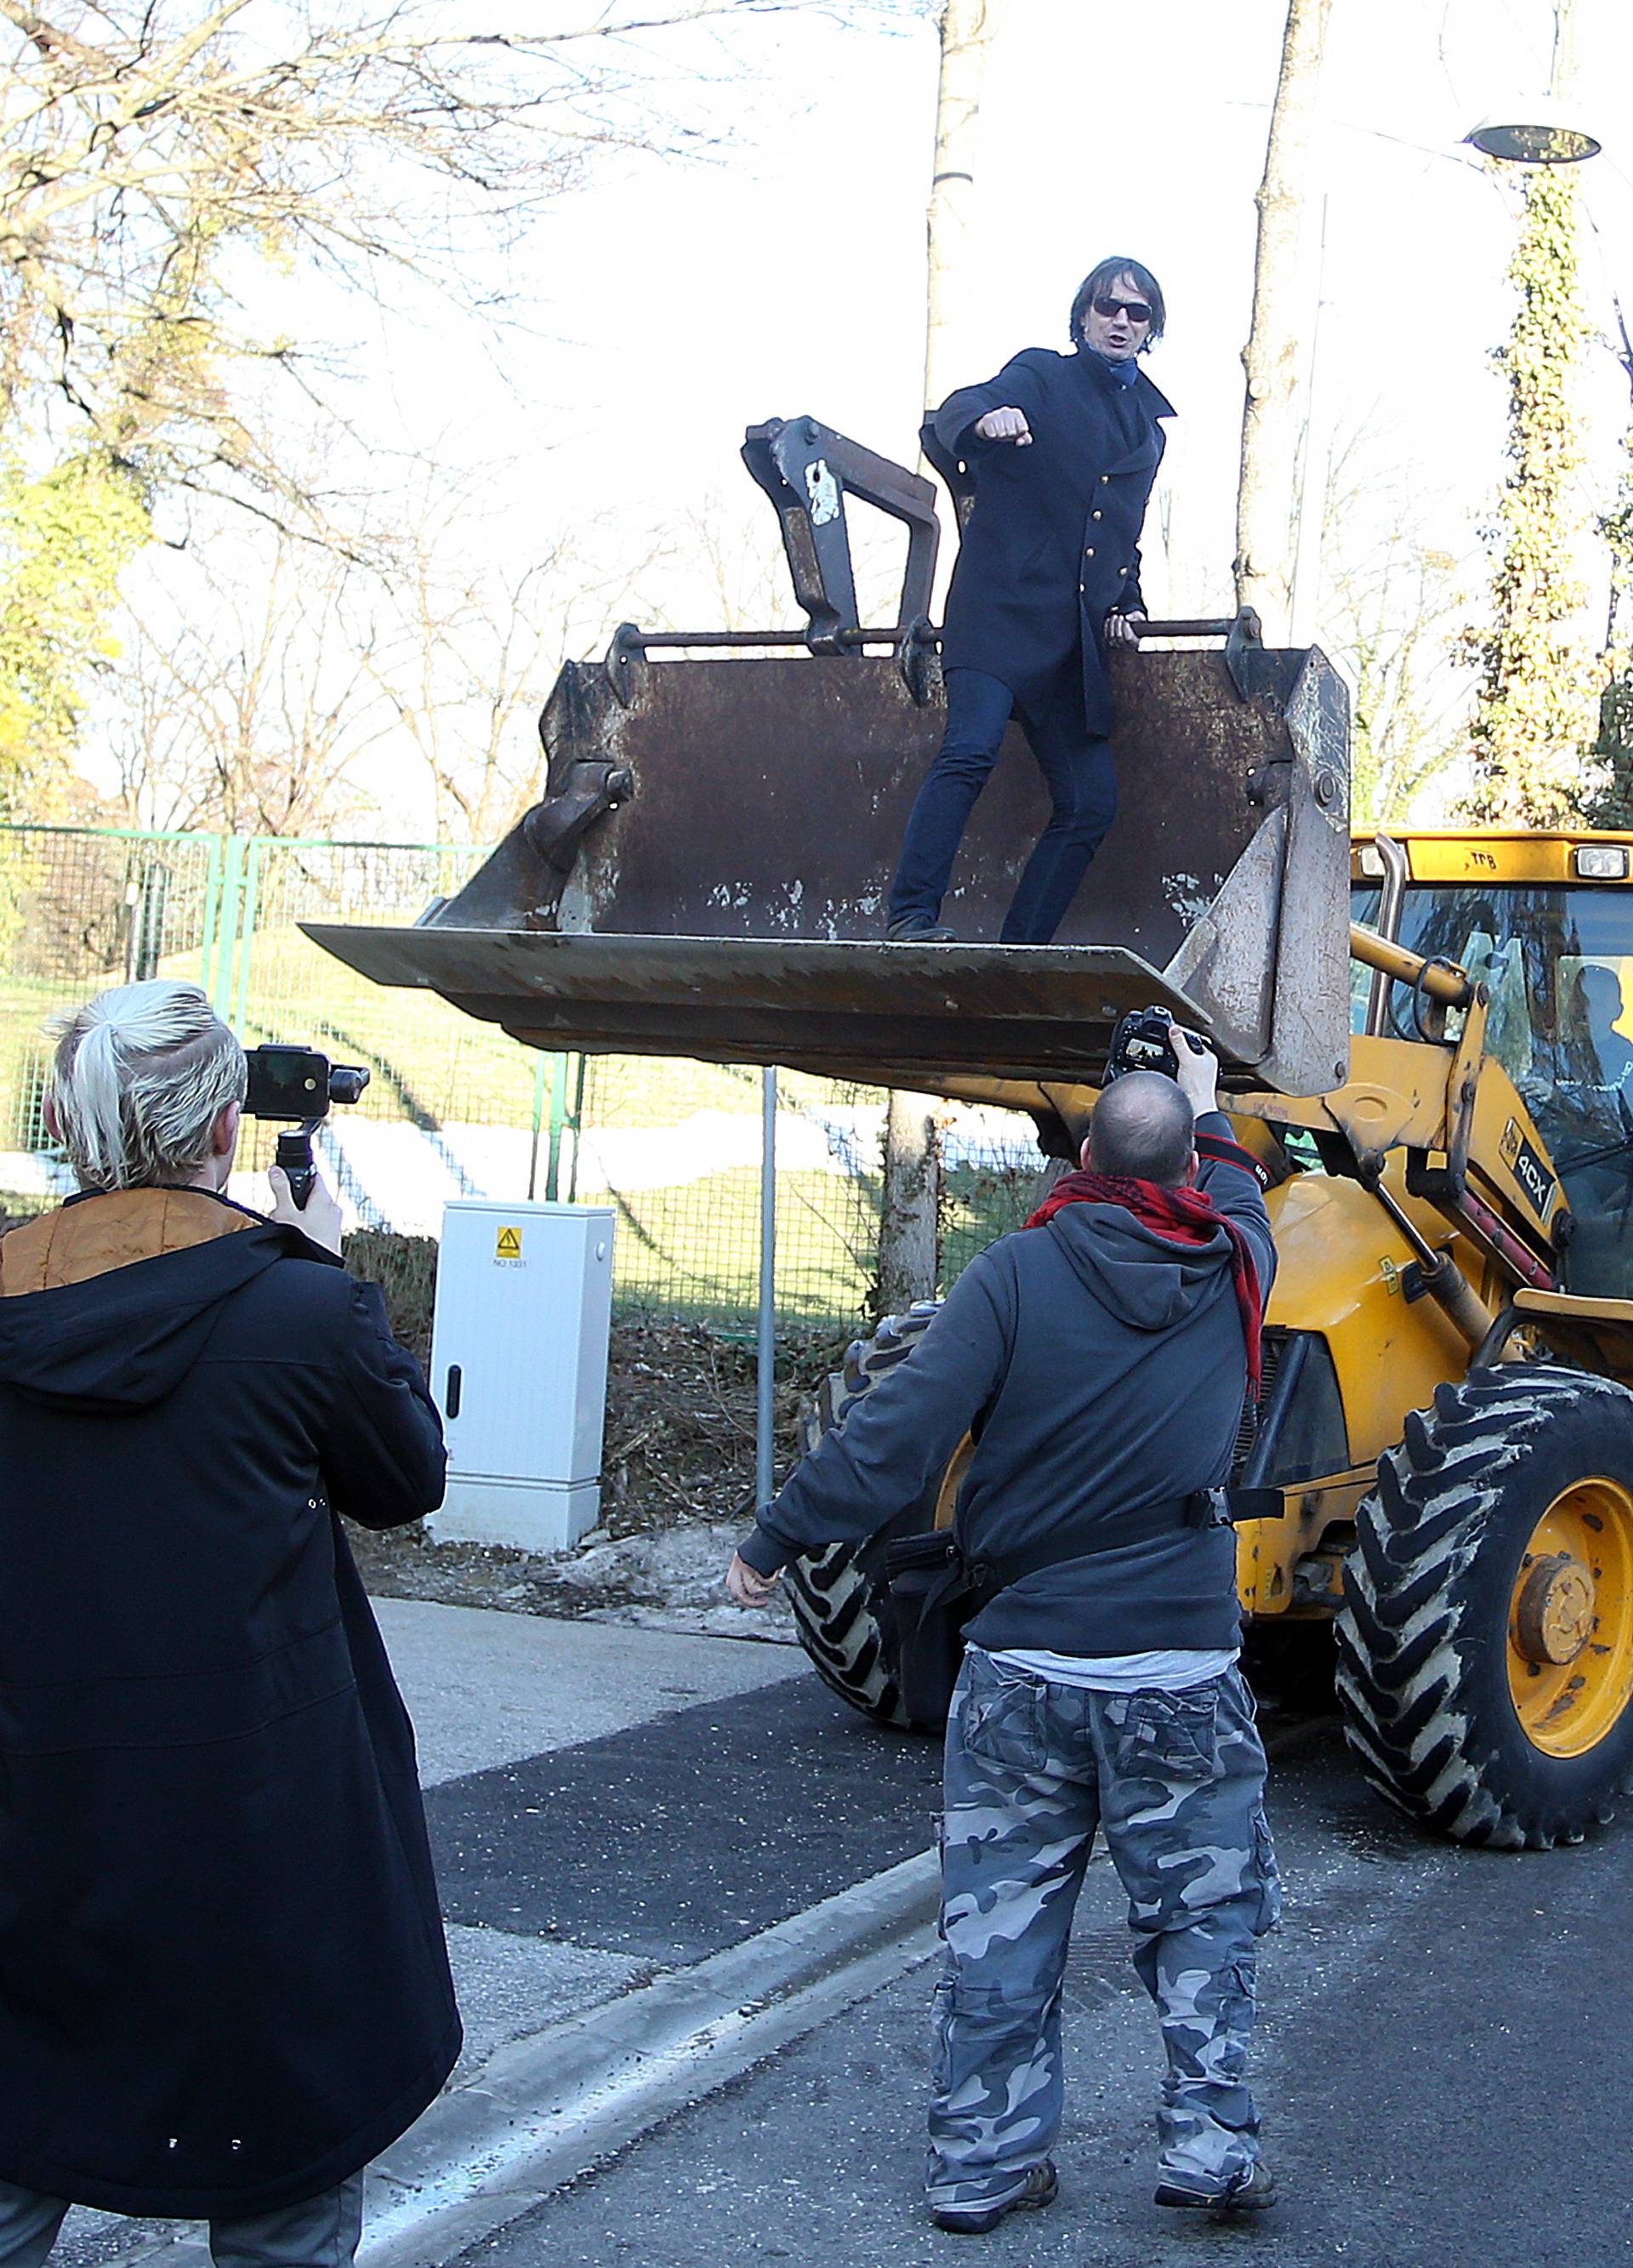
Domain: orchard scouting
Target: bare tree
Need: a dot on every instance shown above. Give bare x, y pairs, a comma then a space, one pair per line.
908, 1253
157, 156
166, 164
246, 704
965, 29
462, 656
1270, 420
1393, 602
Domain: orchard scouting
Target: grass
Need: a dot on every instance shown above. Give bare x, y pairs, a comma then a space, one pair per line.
690, 1249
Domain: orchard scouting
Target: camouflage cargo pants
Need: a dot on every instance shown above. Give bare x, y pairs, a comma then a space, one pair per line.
1176, 1783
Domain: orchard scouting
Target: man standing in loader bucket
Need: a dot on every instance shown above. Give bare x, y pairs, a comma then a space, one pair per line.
1063, 450
1098, 1357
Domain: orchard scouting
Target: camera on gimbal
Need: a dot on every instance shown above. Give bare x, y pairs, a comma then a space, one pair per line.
1144, 1041
298, 1085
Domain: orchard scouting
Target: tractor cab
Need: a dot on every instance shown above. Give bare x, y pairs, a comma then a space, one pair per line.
1546, 921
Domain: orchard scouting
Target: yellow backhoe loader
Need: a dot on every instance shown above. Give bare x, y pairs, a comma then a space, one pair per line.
1427, 1041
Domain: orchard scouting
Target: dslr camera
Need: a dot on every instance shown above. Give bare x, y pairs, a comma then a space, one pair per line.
297, 1086
1144, 1041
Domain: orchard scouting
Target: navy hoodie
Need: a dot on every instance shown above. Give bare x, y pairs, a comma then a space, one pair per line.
1101, 1368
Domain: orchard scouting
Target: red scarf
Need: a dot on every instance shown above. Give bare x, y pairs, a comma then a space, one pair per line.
1182, 1216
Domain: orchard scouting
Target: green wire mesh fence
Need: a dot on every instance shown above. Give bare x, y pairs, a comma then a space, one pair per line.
454, 1108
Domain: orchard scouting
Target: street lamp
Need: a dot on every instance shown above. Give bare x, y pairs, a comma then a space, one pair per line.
1541, 131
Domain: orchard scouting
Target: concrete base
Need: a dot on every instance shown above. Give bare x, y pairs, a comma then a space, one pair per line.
527, 1515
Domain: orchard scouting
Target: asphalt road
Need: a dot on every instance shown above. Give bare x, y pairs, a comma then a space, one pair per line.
1445, 2069
673, 1839
1446, 2065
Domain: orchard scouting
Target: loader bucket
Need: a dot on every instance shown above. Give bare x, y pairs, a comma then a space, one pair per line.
707, 873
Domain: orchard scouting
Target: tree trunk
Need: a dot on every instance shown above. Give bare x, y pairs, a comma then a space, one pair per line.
908, 1244
966, 29
1266, 499
907, 1228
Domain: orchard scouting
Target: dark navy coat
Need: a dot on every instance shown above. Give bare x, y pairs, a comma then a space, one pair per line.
223, 1980
1053, 544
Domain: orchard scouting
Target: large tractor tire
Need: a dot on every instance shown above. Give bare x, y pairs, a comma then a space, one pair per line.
841, 1600
1486, 1640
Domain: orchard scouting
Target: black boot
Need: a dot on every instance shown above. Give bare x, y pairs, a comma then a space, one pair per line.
917, 929
1040, 2188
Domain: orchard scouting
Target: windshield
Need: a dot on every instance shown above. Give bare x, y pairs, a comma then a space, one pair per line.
1559, 962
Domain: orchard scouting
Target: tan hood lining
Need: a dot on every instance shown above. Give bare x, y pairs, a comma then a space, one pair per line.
98, 1234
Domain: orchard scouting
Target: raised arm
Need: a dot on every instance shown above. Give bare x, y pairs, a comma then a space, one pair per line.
1017, 389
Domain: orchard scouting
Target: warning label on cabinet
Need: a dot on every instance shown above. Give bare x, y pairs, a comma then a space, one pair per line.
508, 1244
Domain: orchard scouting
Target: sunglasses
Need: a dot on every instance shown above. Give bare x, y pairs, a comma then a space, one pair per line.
1137, 311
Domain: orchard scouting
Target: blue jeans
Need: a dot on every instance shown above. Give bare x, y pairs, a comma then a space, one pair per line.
322, 2232
1077, 768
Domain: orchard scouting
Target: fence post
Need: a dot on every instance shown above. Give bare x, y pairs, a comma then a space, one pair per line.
211, 916
225, 940
576, 1121
246, 931
558, 1115
765, 1378
538, 1124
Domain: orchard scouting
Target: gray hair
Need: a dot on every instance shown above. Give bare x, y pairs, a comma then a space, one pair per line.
1142, 1130
140, 1077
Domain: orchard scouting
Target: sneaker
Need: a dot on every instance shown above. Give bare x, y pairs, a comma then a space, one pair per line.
1249, 2192
918, 928
1039, 2188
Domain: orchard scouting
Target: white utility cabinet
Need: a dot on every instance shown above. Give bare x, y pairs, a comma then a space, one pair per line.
518, 1369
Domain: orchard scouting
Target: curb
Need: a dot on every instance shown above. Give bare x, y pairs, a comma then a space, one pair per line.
546, 2106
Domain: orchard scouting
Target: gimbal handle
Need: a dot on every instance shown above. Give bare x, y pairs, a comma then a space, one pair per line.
294, 1157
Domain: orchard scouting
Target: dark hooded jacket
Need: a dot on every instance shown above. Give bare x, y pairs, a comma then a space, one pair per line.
223, 1981
1053, 544
1101, 1369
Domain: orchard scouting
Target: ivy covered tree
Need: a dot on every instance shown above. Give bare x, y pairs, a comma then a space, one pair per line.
1612, 805
1536, 709
66, 535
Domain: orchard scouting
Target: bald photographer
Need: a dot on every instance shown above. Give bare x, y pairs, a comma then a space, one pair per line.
1098, 1358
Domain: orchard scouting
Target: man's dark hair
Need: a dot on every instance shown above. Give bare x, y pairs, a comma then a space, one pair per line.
1105, 277
1142, 1130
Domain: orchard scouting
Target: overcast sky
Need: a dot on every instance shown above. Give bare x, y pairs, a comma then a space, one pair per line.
666, 305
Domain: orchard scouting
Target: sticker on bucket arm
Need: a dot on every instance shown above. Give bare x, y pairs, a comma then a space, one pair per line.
821, 493
508, 1244
1527, 1168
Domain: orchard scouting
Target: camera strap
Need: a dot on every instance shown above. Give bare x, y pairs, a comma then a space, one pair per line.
931, 1575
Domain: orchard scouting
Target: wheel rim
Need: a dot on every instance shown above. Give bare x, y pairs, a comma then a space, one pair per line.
1570, 1620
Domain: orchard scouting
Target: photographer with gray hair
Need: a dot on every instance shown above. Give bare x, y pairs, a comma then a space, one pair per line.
223, 1987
